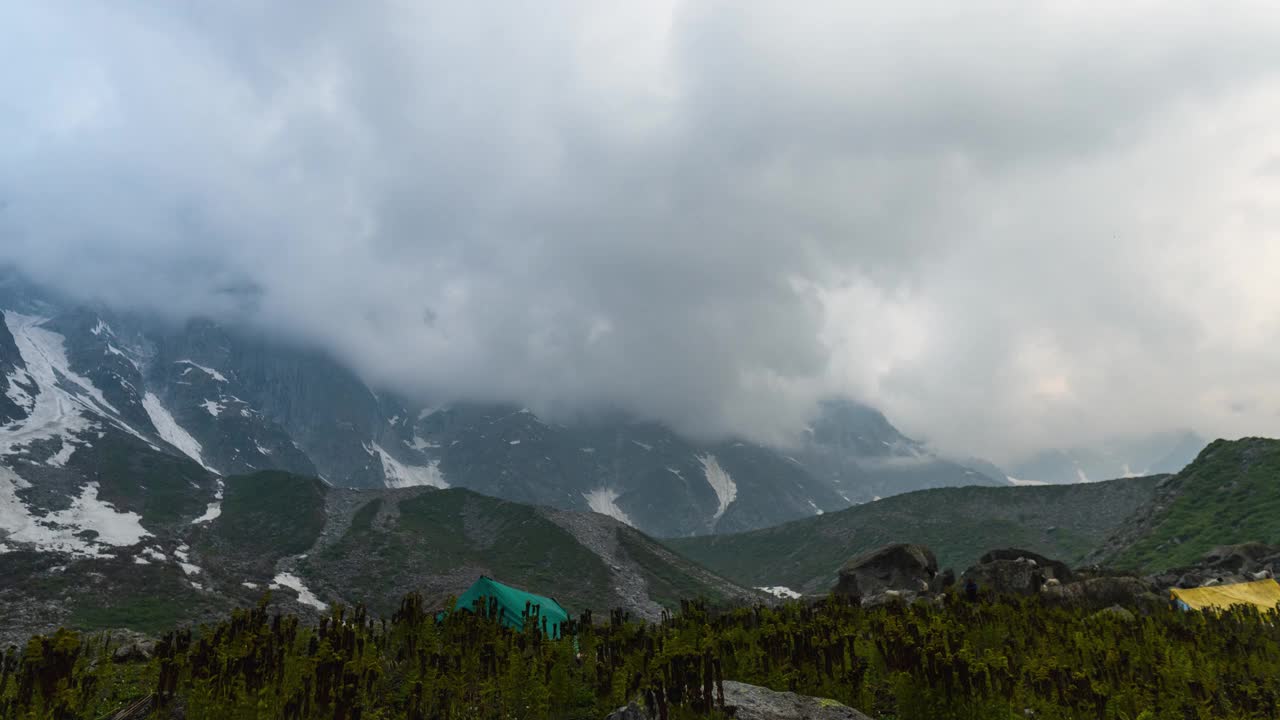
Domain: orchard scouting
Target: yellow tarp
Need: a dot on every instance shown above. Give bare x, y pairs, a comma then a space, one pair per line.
1265, 594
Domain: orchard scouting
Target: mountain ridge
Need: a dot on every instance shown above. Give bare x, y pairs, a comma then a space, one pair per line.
960, 524
1227, 495
313, 545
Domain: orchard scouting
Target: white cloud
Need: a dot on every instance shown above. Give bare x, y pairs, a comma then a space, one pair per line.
1008, 224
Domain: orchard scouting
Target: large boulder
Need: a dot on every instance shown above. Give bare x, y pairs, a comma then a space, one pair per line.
902, 567
1050, 568
1101, 592
130, 646
1012, 577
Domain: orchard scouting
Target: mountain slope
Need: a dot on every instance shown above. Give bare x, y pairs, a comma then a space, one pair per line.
639, 473
315, 545
959, 524
857, 450
1229, 494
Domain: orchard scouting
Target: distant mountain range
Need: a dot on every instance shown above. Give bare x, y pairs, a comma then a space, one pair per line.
1227, 495
1153, 454
1064, 522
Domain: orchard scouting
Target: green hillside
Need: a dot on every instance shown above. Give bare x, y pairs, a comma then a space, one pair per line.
959, 524
367, 547
436, 536
265, 516
1229, 494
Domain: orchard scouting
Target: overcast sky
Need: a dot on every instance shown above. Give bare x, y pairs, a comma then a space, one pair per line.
1010, 226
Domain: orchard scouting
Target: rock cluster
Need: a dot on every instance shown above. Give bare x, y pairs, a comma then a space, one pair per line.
904, 572
1225, 565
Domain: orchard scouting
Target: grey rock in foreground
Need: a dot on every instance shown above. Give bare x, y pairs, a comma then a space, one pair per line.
752, 702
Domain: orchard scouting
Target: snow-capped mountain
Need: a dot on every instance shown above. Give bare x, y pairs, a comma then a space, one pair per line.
79, 385
82, 461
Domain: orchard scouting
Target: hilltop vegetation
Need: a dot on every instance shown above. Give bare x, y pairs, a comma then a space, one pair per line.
1230, 494
960, 524
996, 659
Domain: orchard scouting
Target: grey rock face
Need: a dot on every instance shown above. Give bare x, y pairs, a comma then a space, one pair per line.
1103, 592
131, 646
1016, 577
10, 361
1051, 568
899, 567
1018, 572
750, 702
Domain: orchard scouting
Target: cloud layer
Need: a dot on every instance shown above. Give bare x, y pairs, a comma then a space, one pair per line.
1012, 226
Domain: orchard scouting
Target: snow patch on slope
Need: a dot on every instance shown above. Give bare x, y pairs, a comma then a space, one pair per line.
400, 475
213, 509
294, 583
605, 502
780, 591
52, 412
207, 371
61, 396
171, 432
60, 458
182, 552
419, 444
726, 490
60, 531
214, 408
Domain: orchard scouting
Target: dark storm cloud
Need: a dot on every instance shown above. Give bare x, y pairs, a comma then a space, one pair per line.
1010, 226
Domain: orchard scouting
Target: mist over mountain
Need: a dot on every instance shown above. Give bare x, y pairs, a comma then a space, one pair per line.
713, 216
85, 384
1155, 454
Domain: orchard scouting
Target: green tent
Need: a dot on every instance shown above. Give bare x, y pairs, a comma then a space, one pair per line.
511, 605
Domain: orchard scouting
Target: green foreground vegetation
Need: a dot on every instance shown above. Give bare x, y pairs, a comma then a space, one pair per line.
998, 658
